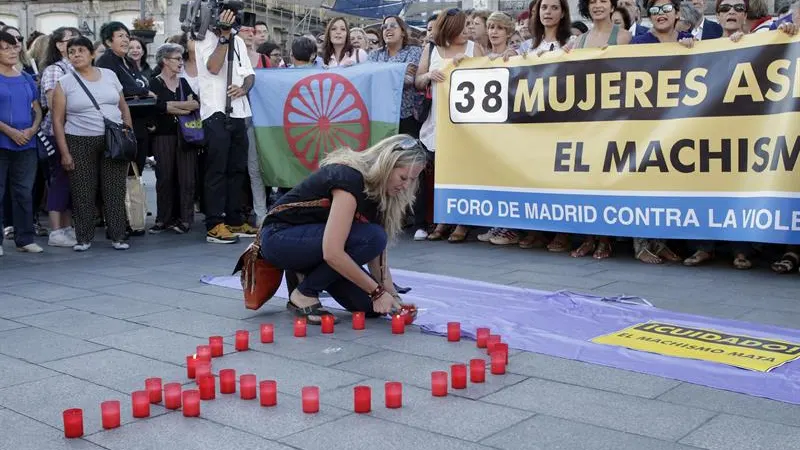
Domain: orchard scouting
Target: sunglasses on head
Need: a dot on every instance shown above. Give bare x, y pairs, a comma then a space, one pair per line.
408, 144
739, 8
452, 11
663, 9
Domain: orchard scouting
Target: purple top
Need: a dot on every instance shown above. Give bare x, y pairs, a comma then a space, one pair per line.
650, 38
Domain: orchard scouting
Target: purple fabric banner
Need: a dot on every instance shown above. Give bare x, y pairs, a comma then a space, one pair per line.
563, 323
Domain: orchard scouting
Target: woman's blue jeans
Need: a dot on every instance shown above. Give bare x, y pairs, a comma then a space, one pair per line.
298, 248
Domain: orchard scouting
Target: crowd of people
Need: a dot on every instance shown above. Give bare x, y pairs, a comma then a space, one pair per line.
53, 151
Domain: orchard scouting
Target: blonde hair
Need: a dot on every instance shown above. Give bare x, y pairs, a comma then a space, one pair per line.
376, 164
38, 50
504, 20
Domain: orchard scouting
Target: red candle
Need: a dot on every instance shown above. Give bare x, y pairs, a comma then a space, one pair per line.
362, 399
227, 381
358, 320
458, 375
394, 394
269, 392
208, 387
247, 387
141, 404
327, 324
191, 366
398, 324
172, 395
481, 334
267, 333
73, 423
453, 331
490, 341
153, 386
204, 353
439, 383
191, 403
477, 370
300, 327
109, 412
502, 348
310, 396
498, 363
202, 368
215, 342
242, 340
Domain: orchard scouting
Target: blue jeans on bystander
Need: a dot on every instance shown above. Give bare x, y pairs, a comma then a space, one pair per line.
18, 173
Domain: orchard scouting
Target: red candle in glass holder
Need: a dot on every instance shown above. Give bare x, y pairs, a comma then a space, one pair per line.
458, 376
439, 383
269, 392
327, 324
247, 387
204, 352
191, 366
477, 370
490, 341
227, 381
358, 320
267, 333
141, 404
362, 399
398, 324
310, 397
109, 412
191, 403
242, 340
300, 327
481, 335
394, 394
215, 342
153, 386
498, 363
501, 347
172, 395
202, 368
208, 387
73, 423
453, 331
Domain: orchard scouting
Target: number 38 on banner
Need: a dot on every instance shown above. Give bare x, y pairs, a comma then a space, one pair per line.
479, 95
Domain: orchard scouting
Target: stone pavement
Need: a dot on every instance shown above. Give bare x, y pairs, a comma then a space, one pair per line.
80, 328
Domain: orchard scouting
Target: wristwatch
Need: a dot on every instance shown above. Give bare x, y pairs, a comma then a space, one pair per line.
223, 40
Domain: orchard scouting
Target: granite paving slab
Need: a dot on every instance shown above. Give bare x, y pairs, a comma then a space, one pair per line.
726, 432
37, 345
24, 433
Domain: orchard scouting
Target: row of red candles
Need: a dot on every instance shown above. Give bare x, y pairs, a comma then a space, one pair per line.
199, 367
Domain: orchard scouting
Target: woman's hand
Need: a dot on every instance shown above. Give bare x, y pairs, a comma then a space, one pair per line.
385, 304
18, 137
436, 75
736, 37
66, 162
788, 28
458, 58
687, 42
509, 53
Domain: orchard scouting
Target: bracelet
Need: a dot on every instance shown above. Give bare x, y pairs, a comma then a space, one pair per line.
377, 292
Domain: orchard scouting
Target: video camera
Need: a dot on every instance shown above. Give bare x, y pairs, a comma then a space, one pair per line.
199, 16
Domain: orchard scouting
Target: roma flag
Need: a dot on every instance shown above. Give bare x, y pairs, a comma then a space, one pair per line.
300, 115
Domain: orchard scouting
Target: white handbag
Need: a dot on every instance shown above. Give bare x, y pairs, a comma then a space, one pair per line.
135, 200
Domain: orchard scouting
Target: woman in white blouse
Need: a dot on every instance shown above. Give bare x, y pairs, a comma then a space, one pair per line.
337, 50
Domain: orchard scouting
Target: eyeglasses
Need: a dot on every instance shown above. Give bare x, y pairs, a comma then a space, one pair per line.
19, 39
176, 58
663, 9
275, 55
373, 41
739, 8
390, 26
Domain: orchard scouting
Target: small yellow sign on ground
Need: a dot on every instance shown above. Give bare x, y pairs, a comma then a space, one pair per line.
746, 352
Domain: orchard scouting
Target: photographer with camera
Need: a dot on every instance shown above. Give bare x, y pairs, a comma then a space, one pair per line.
226, 134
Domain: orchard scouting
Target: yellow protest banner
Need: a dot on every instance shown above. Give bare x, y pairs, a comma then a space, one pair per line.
635, 140
746, 352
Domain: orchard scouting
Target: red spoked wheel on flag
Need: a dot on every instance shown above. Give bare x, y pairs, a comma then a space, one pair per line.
324, 112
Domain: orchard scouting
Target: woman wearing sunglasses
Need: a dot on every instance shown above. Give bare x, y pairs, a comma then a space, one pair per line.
664, 14
340, 218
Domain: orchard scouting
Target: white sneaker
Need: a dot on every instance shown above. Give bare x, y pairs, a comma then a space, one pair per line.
70, 232
486, 237
120, 245
8, 233
60, 238
82, 247
420, 235
30, 248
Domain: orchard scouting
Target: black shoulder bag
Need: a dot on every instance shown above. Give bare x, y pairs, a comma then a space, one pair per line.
120, 139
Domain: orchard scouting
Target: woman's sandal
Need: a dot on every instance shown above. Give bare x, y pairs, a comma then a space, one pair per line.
699, 257
458, 235
313, 310
438, 233
604, 250
533, 239
742, 263
587, 246
648, 257
559, 244
787, 264
667, 254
